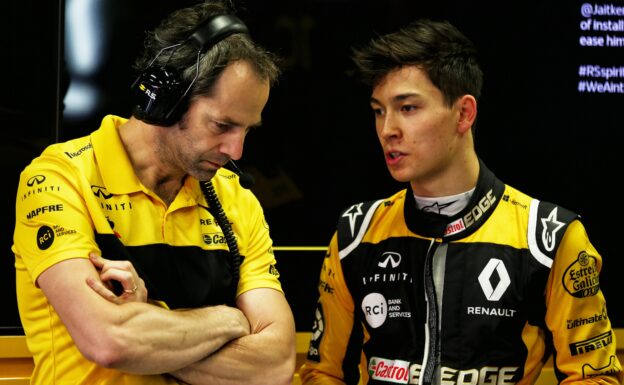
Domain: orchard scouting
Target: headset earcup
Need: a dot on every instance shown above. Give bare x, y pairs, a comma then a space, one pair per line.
157, 94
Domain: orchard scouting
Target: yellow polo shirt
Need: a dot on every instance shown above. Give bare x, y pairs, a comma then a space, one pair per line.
82, 196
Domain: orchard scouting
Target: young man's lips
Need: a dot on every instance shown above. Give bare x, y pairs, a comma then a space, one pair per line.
393, 157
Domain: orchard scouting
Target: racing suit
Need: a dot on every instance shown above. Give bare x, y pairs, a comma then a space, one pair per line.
482, 297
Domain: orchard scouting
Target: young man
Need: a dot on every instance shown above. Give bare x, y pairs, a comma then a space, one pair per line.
459, 279
125, 207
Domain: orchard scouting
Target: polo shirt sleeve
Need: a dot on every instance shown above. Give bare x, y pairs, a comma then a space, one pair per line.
52, 222
258, 268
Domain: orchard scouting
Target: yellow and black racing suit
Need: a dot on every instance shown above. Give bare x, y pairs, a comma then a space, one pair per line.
482, 297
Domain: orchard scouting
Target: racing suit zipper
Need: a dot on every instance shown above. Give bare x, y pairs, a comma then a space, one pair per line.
430, 359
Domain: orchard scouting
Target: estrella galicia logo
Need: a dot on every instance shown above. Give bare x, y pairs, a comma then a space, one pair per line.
45, 237
581, 277
551, 227
101, 192
35, 180
318, 327
389, 256
494, 293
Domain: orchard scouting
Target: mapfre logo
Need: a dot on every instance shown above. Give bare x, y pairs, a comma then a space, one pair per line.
375, 309
382, 369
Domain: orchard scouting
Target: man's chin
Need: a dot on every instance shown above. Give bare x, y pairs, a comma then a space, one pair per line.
399, 176
204, 175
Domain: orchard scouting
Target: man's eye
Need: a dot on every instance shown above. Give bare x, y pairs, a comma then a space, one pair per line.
377, 111
408, 108
222, 126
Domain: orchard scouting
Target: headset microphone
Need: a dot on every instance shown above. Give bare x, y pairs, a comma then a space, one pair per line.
245, 179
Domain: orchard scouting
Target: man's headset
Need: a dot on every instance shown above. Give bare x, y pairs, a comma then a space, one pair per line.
161, 96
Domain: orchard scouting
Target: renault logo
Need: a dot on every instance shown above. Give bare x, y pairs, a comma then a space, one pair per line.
494, 293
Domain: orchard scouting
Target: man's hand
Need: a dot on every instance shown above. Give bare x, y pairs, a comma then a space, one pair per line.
133, 287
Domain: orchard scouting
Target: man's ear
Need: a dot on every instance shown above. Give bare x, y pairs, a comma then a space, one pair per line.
467, 105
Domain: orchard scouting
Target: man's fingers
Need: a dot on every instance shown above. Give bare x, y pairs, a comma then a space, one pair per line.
125, 278
96, 260
104, 264
102, 290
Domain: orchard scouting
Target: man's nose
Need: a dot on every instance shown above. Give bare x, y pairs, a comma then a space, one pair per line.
389, 126
233, 143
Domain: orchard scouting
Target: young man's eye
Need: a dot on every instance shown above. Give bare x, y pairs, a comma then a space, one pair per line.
377, 111
408, 108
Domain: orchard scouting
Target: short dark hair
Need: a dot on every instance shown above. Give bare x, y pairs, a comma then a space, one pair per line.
437, 47
176, 27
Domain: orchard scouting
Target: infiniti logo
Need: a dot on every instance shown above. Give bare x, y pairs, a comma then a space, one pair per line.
494, 294
392, 257
37, 179
101, 192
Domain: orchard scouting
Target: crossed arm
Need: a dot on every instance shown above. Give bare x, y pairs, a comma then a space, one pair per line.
204, 345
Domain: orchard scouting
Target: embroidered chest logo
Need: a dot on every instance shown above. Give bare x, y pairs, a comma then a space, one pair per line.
485, 279
37, 179
390, 256
352, 213
551, 227
437, 207
494, 280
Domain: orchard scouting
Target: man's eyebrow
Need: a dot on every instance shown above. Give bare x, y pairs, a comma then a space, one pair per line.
233, 122
397, 98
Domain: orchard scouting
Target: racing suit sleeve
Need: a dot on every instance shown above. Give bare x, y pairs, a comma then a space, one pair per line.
576, 314
333, 323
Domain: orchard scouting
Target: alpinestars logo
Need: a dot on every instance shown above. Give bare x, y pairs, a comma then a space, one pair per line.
494, 293
436, 207
551, 226
352, 213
